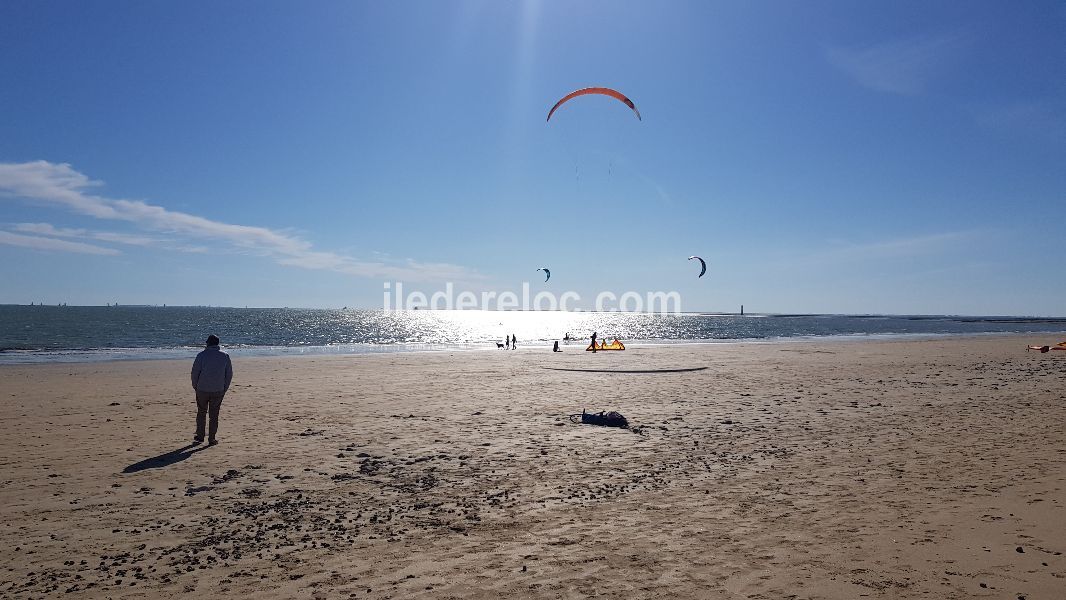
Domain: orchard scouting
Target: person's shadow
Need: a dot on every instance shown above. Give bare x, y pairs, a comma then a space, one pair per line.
166, 459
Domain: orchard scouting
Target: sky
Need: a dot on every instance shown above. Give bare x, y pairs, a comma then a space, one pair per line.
823, 157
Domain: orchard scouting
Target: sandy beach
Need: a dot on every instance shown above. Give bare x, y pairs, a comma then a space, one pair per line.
881, 469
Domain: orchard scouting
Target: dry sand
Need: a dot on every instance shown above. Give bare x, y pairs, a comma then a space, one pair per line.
886, 469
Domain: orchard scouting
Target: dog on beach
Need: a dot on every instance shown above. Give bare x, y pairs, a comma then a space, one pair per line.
499, 345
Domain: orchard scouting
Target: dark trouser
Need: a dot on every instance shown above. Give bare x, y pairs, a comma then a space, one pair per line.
207, 401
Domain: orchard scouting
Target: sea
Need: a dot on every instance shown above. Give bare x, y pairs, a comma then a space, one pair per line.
54, 334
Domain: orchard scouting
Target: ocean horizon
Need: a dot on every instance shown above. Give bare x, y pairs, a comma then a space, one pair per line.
50, 333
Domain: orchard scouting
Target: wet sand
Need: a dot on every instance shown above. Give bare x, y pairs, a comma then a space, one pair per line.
880, 469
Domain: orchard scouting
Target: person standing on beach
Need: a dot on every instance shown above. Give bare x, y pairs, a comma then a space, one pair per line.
514, 342
507, 342
593, 341
212, 373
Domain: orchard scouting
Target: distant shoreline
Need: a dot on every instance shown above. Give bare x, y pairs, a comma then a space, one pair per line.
105, 334
709, 313
12, 357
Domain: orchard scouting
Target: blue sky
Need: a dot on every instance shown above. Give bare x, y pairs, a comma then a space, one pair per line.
843, 157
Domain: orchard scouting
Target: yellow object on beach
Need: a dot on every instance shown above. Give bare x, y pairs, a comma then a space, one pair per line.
615, 345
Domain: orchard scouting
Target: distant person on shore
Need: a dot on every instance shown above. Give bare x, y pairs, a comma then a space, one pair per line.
514, 342
507, 342
593, 341
1046, 349
212, 373
556, 347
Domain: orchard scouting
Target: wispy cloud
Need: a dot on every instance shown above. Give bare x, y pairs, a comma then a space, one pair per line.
904, 66
103, 236
44, 243
60, 185
901, 247
841, 252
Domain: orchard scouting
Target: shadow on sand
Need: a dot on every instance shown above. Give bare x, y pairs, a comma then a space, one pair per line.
628, 370
165, 460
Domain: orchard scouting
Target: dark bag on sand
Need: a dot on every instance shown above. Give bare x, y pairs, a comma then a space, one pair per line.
611, 419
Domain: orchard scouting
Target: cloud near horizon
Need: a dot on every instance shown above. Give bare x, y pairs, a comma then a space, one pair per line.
837, 253
903, 247
59, 184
